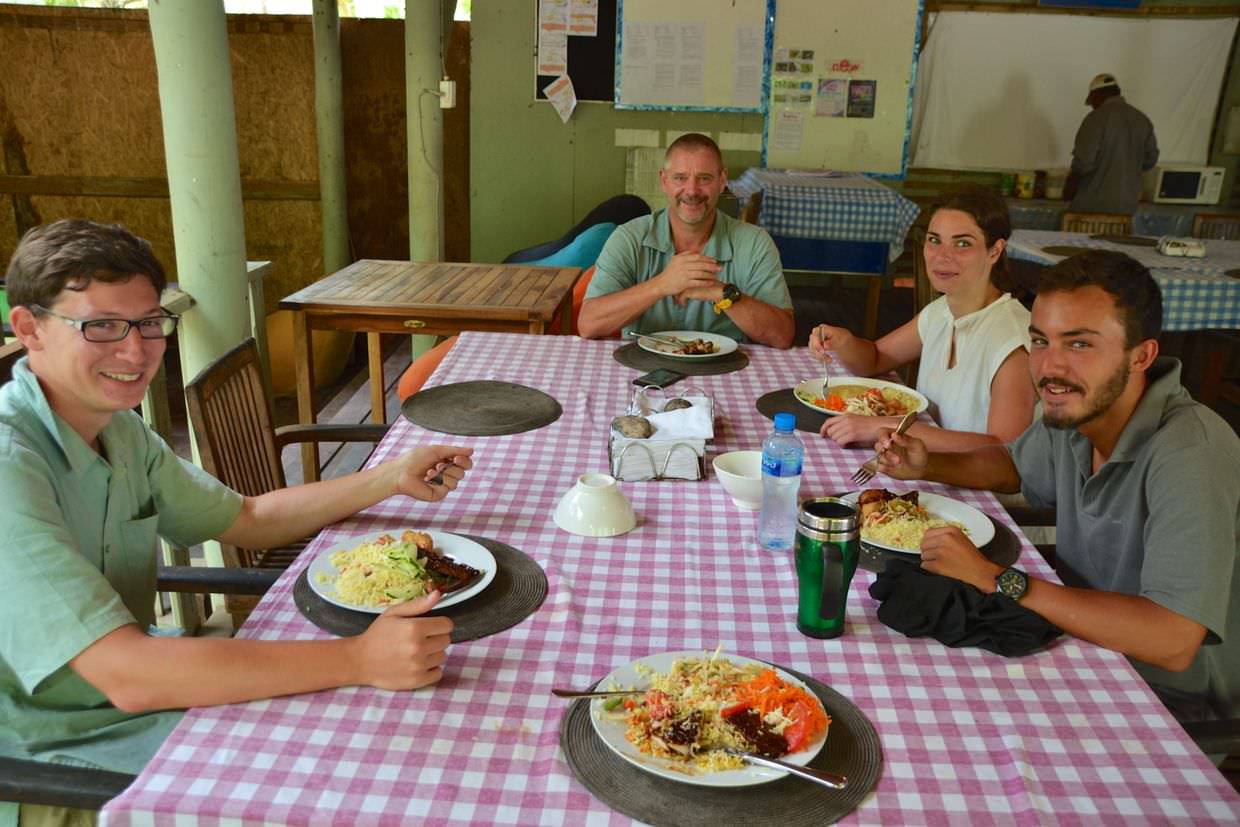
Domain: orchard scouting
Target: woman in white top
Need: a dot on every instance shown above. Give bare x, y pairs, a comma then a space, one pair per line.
973, 341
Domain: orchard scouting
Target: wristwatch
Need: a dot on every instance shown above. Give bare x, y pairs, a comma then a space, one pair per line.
1012, 583
731, 295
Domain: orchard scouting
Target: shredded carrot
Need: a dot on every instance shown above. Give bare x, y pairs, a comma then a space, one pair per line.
768, 692
835, 402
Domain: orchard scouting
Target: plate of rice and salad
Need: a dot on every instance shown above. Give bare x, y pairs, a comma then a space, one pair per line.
698, 702
897, 522
370, 572
859, 395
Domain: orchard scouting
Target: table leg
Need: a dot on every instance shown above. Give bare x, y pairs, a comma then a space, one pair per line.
566, 314
537, 327
871, 306
303, 355
374, 354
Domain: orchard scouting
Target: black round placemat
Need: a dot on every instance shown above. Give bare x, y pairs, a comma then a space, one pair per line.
1234, 273
481, 408
852, 749
786, 400
632, 356
1003, 550
519, 587
1129, 240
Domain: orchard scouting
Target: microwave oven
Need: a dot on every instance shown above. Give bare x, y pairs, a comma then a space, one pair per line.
1183, 184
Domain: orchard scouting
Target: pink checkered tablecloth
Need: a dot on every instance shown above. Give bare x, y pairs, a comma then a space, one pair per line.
1070, 735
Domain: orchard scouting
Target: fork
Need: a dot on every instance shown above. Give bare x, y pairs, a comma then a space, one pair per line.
866, 472
823, 777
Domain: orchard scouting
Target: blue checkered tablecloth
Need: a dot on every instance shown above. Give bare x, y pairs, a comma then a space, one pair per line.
837, 206
1198, 293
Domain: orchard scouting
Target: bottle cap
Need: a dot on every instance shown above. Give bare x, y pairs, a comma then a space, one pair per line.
785, 422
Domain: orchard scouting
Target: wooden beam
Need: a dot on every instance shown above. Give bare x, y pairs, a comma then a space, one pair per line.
255, 189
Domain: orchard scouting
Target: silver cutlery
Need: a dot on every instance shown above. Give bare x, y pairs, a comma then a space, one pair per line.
592, 693
657, 338
826, 779
867, 471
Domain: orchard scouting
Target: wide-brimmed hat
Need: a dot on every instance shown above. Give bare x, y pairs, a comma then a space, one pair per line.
1101, 82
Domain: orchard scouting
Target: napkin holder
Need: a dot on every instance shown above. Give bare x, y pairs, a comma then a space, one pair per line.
681, 458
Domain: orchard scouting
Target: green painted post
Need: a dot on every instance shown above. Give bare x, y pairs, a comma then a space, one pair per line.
423, 68
329, 129
204, 181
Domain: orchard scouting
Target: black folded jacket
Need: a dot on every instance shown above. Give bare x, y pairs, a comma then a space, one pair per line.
921, 604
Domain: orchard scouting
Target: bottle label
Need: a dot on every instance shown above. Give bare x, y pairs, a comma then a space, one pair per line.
771, 466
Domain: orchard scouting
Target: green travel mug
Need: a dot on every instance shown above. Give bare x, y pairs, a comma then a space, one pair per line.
827, 548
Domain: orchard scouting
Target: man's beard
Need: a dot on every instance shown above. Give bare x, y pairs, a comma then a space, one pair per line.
1102, 401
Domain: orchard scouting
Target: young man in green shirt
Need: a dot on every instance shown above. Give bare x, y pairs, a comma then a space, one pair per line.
87, 488
689, 266
1144, 480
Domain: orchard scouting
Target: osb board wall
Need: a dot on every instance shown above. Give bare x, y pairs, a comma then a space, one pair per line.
79, 98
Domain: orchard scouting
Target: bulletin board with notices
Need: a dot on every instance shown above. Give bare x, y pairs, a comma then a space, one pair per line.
841, 85
695, 55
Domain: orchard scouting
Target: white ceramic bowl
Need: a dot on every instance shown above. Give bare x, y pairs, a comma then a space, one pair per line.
740, 474
595, 507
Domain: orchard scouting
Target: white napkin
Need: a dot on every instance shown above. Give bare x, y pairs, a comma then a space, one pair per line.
686, 423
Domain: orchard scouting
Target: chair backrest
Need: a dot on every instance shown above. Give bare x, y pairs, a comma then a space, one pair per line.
1096, 223
9, 354
752, 208
1216, 225
923, 291
232, 423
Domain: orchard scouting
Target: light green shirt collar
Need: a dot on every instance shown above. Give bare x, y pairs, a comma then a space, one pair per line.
1164, 384
77, 454
718, 246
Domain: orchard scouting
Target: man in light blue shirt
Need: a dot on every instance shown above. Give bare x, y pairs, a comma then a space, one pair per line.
88, 487
689, 266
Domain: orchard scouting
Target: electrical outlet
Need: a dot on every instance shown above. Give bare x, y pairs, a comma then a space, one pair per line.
447, 94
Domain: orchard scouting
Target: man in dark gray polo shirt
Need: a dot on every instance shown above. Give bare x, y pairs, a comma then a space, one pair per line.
1114, 145
1145, 481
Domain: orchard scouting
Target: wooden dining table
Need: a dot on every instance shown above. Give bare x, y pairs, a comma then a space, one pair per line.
1067, 735
436, 298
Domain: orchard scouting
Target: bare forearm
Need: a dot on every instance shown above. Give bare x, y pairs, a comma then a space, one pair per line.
1134, 625
764, 323
604, 315
211, 671
282, 516
989, 468
941, 440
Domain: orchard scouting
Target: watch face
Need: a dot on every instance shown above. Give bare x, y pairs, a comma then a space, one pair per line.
1012, 583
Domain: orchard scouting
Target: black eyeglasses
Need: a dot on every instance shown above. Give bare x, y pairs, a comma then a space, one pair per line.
113, 330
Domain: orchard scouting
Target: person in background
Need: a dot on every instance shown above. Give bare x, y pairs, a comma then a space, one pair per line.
972, 341
1114, 145
88, 488
1145, 483
689, 266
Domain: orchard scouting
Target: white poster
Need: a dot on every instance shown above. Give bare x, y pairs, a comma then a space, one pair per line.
562, 96
789, 127
747, 67
664, 63
583, 18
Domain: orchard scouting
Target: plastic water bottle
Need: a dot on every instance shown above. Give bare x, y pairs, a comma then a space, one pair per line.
782, 455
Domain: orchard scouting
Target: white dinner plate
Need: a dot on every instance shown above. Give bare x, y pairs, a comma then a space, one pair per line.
723, 344
460, 549
977, 525
611, 729
811, 389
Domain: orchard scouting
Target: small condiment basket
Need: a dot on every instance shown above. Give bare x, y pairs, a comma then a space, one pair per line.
659, 459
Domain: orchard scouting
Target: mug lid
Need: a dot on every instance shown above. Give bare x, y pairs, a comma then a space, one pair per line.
828, 514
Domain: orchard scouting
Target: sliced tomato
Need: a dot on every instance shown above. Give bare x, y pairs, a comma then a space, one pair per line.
733, 710
797, 732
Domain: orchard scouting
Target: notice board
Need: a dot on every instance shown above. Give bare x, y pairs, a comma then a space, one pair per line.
841, 85
695, 55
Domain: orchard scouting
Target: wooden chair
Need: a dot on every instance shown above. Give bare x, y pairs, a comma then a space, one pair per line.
9, 354
1096, 223
1216, 225
923, 291
749, 213
239, 445
1221, 379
